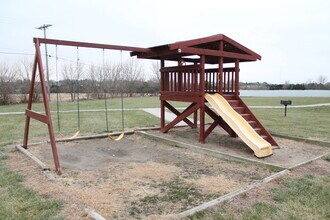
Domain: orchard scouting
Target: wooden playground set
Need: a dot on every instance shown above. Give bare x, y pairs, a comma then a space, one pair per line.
189, 80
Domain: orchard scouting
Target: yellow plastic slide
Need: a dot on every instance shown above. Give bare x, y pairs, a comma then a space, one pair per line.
260, 147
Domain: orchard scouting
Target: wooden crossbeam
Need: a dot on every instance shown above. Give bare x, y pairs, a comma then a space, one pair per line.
218, 121
40, 117
188, 111
172, 109
90, 45
217, 53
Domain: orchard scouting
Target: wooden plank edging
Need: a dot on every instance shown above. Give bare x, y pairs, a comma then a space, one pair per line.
32, 157
231, 195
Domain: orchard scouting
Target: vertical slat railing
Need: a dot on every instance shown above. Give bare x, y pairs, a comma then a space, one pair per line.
180, 79
228, 81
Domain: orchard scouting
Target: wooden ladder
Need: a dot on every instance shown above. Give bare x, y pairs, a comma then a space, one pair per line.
241, 108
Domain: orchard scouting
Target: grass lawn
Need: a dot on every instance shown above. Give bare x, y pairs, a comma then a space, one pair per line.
112, 103
310, 123
21, 203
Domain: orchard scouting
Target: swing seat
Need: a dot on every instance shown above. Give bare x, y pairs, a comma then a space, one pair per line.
117, 138
75, 135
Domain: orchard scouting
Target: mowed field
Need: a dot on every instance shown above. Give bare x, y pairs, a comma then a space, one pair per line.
306, 193
311, 122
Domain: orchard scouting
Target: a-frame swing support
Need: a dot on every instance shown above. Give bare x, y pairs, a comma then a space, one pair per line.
46, 117
38, 68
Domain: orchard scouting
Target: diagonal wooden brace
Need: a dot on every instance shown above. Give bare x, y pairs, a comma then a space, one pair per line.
172, 109
218, 121
188, 111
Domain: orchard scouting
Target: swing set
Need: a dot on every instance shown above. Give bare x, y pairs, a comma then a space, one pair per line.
46, 116
195, 83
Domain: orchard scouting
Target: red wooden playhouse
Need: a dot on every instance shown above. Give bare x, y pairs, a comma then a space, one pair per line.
190, 81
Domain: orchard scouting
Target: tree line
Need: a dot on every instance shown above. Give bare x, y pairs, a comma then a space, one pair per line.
320, 84
128, 78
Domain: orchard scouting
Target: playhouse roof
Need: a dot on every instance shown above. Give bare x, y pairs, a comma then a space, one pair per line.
208, 46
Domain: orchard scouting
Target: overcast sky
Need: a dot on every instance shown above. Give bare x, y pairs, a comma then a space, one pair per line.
292, 36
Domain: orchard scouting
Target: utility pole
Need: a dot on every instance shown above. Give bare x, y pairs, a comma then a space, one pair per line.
44, 27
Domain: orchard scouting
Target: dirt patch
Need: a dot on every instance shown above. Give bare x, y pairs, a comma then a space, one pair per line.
289, 154
216, 184
133, 178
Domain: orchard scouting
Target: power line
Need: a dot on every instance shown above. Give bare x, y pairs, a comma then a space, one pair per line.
12, 53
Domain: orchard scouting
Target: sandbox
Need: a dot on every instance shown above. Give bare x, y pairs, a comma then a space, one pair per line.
150, 175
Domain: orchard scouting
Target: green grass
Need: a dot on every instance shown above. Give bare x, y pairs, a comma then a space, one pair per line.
327, 158
12, 127
18, 202
310, 123
297, 198
112, 103
295, 124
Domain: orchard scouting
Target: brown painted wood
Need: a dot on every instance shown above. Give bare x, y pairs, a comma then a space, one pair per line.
195, 119
193, 42
202, 100
162, 114
184, 114
90, 45
43, 118
183, 68
177, 113
236, 77
220, 122
210, 128
35, 115
240, 46
217, 53
27, 120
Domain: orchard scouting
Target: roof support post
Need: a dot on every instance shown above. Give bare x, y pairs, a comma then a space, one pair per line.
162, 102
220, 70
202, 100
237, 77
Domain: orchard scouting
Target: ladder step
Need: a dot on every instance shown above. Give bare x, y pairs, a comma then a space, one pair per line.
233, 103
229, 97
258, 130
253, 124
239, 109
246, 116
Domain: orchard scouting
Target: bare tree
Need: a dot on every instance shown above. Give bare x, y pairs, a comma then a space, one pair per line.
131, 76
155, 69
97, 81
7, 77
322, 79
112, 76
72, 74
286, 84
24, 68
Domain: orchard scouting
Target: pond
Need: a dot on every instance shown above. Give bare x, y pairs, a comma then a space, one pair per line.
286, 93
